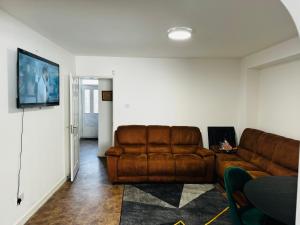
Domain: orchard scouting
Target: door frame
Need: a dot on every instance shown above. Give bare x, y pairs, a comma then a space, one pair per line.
101, 77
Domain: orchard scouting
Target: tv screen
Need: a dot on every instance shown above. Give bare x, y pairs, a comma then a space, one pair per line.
38, 81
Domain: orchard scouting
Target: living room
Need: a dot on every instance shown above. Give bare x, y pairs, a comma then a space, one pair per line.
239, 69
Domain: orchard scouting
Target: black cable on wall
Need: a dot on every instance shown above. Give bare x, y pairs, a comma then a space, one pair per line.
20, 159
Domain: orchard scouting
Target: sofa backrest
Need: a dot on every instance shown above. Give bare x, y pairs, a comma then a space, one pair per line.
158, 139
185, 140
248, 143
285, 158
136, 139
132, 138
274, 154
265, 147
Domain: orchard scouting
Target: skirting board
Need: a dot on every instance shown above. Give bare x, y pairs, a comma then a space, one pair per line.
40, 203
100, 154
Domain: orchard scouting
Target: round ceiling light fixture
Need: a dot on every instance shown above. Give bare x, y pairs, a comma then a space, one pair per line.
180, 33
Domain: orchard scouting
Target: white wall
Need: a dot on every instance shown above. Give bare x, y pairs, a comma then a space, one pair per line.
105, 122
195, 92
279, 95
43, 164
250, 73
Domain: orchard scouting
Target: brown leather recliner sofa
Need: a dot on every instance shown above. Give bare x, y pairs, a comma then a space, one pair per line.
262, 154
159, 154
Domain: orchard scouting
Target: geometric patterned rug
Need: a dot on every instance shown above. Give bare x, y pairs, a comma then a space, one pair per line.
166, 204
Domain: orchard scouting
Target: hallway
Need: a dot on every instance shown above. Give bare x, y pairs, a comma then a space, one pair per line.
90, 200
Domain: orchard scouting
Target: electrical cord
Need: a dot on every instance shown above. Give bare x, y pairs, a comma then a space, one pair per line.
20, 159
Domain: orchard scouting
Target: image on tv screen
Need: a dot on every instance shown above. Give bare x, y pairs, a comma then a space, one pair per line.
38, 81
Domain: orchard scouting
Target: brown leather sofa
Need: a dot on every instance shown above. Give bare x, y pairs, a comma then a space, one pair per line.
159, 154
262, 154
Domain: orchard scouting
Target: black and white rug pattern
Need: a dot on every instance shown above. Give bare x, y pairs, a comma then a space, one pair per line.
166, 204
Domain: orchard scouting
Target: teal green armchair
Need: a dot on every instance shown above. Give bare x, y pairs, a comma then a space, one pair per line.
235, 178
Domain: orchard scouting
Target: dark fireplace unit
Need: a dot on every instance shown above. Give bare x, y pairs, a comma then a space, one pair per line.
217, 135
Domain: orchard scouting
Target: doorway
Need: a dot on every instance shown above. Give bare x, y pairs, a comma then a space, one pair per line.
89, 120
95, 113
95, 120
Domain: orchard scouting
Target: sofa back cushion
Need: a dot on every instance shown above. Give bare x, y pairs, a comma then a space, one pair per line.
265, 148
272, 153
185, 140
158, 139
132, 138
285, 158
248, 143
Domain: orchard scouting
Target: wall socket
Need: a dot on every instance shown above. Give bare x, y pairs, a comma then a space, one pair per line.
20, 198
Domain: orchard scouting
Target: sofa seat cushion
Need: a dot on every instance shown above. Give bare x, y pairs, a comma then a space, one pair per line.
134, 149
132, 165
227, 157
278, 170
162, 164
221, 157
189, 165
257, 174
184, 149
222, 166
158, 148
260, 161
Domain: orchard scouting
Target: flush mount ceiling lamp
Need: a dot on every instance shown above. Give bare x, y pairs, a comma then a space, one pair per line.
180, 33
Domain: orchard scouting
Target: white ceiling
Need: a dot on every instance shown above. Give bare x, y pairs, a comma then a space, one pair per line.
222, 28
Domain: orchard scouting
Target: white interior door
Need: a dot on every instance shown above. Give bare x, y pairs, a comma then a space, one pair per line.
74, 124
90, 101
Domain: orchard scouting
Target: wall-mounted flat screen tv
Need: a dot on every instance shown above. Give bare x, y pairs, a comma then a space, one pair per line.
38, 81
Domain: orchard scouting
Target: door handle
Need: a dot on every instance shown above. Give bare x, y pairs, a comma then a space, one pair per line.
72, 129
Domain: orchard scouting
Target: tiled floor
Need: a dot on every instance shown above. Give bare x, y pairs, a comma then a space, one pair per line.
90, 200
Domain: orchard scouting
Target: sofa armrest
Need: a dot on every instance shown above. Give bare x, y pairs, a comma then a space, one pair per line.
114, 151
203, 152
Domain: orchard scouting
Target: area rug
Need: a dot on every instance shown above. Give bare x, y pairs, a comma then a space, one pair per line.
166, 204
